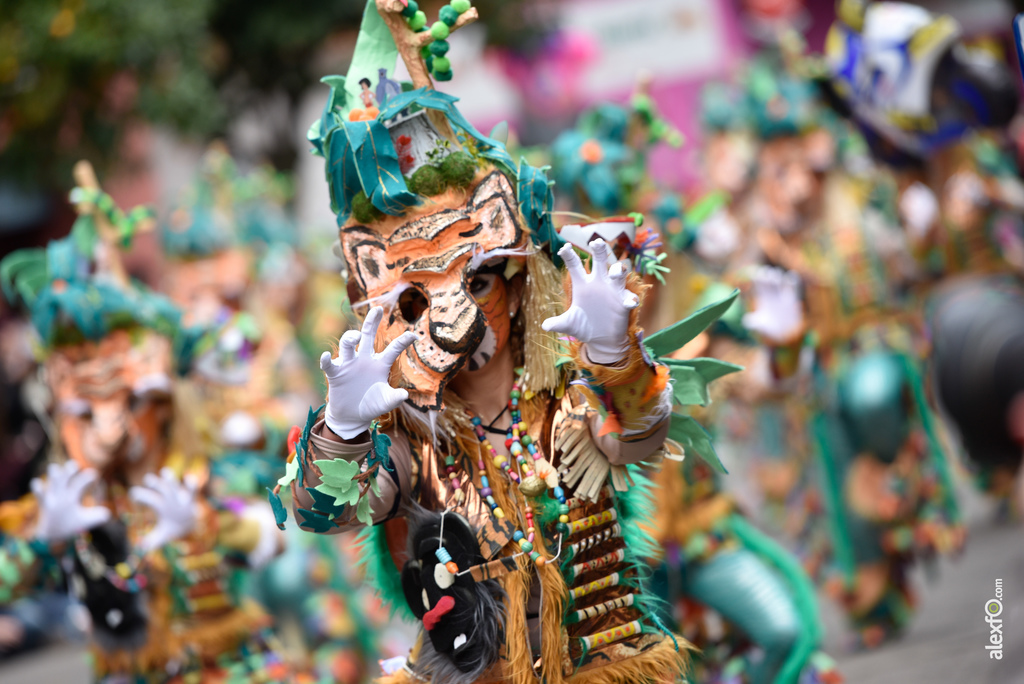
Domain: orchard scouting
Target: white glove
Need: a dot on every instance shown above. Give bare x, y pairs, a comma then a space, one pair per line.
61, 512
599, 314
778, 313
719, 237
919, 209
357, 382
174, 503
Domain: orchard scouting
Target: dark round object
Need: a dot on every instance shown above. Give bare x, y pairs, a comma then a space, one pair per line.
977, 329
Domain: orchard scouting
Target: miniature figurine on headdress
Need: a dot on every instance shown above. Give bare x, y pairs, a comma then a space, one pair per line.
489, 440
149, 551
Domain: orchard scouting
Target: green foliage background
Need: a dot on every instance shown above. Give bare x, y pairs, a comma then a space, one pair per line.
74, 73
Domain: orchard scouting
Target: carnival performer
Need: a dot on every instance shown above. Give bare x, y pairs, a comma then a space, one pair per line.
227, 238
126, 512
490, 439
955, 187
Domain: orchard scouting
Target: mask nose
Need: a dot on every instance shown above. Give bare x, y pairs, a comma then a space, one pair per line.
456, 322
110, 425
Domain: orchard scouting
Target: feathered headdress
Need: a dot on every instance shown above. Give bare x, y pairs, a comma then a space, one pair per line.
76, 289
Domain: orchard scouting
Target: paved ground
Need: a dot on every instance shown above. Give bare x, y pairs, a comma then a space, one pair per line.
945, 644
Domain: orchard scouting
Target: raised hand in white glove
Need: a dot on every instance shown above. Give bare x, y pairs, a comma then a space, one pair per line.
174, 503
62, 514
357, 381
599, 313
778, 313
919, 210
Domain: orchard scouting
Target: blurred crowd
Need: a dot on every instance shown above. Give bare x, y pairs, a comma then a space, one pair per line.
845, 250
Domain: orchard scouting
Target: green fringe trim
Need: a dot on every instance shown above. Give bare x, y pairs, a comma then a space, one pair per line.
937, 453
380, 571
832, 487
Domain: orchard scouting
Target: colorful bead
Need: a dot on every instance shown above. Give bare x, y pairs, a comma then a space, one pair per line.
439, 30
439, 48
452, 567
411, 9
442, 555
418, 21
448, 15
459, 6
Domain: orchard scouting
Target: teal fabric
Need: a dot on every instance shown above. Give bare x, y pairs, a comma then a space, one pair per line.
61, 294
747, 593
872, 398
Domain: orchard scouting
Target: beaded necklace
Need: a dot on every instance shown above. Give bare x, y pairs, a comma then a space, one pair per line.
519, 444
124, 575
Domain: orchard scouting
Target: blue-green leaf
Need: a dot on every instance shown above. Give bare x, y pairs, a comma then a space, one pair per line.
308, 520
322, 503
688, 387
280, 513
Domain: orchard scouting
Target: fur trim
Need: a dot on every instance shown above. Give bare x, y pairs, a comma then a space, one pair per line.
660, 663
206, 640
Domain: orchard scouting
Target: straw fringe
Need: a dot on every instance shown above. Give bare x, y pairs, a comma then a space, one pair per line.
542, 300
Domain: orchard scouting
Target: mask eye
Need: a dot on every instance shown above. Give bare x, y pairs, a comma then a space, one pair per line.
412, 303
78, 408
481, 284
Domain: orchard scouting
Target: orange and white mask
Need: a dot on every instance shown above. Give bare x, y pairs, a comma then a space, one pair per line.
112, 400
420, 268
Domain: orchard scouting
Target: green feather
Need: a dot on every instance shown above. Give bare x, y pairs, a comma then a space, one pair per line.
669, 339
695, 439
378, 567
688, 386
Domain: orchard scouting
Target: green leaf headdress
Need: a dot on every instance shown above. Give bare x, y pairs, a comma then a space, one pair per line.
75, 289
418, 145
